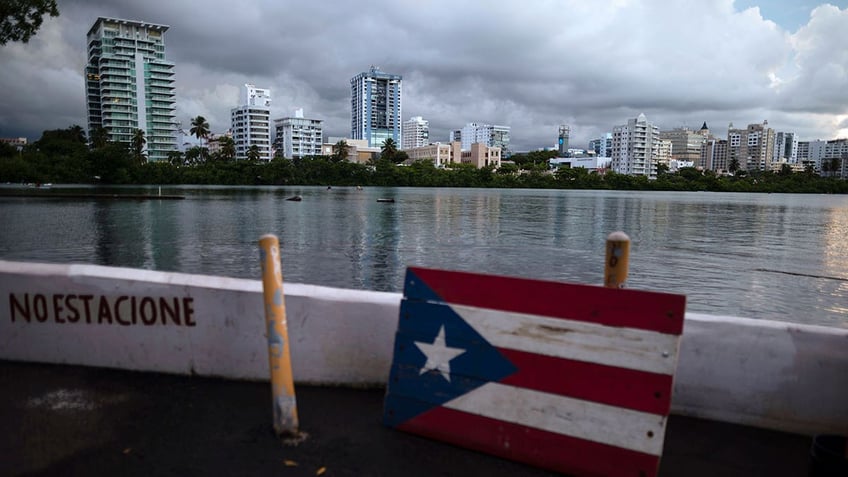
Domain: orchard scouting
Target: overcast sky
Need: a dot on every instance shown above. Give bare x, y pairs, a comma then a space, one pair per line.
529, 64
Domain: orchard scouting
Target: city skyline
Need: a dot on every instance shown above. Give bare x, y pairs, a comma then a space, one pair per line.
496, 62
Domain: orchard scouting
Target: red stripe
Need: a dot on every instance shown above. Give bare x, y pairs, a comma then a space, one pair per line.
662, 312
544, 449
638, 390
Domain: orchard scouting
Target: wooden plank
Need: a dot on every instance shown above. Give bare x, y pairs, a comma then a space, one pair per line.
558, 452
572, 378
590, 342
661, 312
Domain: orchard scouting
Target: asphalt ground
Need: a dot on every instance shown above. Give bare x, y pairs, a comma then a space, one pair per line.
61, 420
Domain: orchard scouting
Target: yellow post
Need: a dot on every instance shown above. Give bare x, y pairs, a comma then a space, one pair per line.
618, 260
279, 358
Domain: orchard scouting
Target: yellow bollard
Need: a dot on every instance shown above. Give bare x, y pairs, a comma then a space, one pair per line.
279, 358
618, 260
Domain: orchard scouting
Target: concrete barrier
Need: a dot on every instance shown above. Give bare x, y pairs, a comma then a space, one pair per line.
769, 374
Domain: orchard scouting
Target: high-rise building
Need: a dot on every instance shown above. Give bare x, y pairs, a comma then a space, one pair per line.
664, 153
251, 122
375, 107
785, 147
602, 145
488, 134
562, 140
416, 133
298, 137
685, 144
752, 148
130, 85
828, 158
635, 147
714, 155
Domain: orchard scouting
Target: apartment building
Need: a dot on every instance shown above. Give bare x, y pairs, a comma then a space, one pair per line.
251, 122
602, 146
752, 147
129, 84
489, 134
416, 133
635, 148
375, 107
686, 144
298, 137
714, 155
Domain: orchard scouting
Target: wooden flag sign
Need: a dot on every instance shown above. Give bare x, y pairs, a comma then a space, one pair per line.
573, 378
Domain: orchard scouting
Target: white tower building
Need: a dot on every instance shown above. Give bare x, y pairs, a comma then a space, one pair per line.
635, 148
488, 134
416, 133
251, 122
298, 137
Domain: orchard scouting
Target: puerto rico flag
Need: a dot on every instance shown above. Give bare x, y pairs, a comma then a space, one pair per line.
572, 378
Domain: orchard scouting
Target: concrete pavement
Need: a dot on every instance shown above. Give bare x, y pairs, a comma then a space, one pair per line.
71, 420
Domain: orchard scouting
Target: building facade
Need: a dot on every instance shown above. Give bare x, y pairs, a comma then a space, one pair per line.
829, 158
635, 148
416, 133
375, 107
602, 145
298, 137
357, 149
593, 164
664, 153
785, 148
752, 147
251, 123
686, 144
129, 84
562, 140
17, 142
443, 155
714, 155
488, 134
481, 155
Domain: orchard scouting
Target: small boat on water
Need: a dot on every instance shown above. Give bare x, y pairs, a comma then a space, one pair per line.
386, 200
295, 198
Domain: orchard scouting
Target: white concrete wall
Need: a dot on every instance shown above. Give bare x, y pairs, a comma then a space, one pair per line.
775, 375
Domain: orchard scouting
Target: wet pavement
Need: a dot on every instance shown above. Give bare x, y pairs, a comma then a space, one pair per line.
71, 420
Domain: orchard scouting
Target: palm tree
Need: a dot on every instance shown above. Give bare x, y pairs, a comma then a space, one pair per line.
137, 144
340, 151
99, 137
77, 133
733, 166
253, 153
175, 158
228, 148
200, 130
389, 149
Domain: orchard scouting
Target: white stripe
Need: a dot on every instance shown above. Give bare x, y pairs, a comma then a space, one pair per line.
629, 348
619, 427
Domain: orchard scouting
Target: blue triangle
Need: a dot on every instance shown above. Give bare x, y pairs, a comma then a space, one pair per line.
411, 392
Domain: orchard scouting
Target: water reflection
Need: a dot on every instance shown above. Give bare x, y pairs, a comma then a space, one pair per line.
758, 255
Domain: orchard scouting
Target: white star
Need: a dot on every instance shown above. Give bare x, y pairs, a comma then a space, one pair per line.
438, 354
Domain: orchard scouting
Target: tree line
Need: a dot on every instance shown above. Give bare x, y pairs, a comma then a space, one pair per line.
68, 156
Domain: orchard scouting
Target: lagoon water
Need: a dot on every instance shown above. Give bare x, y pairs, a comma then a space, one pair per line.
772, 256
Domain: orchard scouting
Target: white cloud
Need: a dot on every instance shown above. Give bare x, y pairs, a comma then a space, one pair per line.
530, 65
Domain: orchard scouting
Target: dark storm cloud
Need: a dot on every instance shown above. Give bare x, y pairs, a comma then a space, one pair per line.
529, 65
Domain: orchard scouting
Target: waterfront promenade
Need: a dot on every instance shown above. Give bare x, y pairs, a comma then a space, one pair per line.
73, 420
